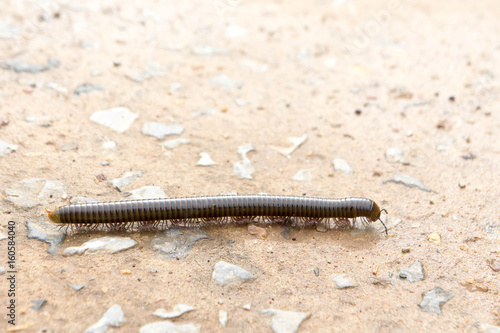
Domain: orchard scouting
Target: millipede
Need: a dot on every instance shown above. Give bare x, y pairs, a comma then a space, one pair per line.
155, 214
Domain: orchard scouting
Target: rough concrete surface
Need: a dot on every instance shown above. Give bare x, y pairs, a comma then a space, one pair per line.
356, 77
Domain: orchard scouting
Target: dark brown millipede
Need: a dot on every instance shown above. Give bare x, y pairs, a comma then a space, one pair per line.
153, 214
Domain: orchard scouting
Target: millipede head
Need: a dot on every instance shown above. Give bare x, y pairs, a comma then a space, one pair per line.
374, 215
54, 216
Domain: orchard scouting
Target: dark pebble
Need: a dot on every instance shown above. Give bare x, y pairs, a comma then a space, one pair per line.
86, 88
469, 156
37, 304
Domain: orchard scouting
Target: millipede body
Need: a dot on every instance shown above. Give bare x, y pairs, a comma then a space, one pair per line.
151, 214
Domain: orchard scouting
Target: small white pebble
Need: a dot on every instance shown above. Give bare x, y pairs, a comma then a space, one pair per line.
223, 318
205, 160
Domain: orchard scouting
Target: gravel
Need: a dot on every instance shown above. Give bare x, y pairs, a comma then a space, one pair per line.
146, 192
118, 119
86, 88
303, 176
394, 155
174, 143
296, 142
244, 169
107, 245
343, 281
176, 243
46, 232
223, 318
178, 311
205, 160
114, 317
224, 82
408, 181
161, 130
225, 273
413, 273
433, 300
285, 321
19, 66
127, 179
7, 148
38, 304
341, 165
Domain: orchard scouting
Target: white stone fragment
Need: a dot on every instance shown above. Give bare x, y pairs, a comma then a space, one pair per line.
303, 55
150, 13
304, 176
241, 101
7, 148
175, 47
225, 82
285, 321
169, 327
235, 31
161, 130
101, 245
223, 318
342, 165
225, 273
395, 155
408, 181
412, 273
342, 281
153, 70
204, 112
330, 63
174, 143
244, 169
146, 192
254, 66
174, 87
208, 51
114, 317
205, 160
487, 328
296, 143
109, 145
178, 311
434, 299
127, 179
8, 30
46, 232
118, 119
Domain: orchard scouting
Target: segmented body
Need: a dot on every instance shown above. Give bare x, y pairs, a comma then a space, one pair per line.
207, 210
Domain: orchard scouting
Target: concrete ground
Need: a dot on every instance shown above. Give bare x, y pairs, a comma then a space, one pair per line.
356, 77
